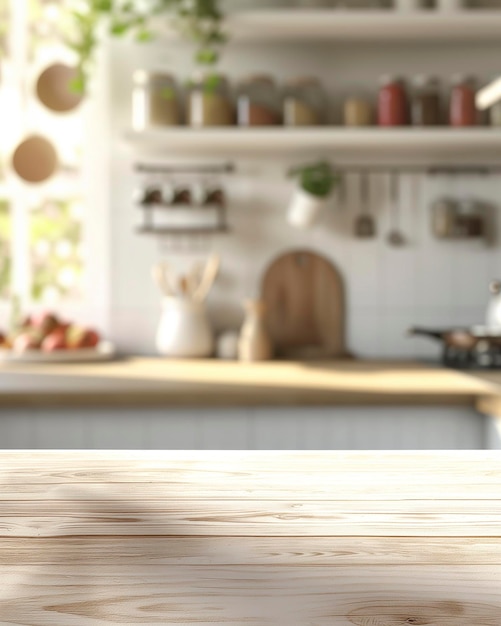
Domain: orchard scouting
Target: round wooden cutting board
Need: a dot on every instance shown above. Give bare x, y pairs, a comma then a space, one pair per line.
305, 300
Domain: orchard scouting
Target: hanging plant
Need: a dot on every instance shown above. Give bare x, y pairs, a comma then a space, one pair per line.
316, 182
199, 21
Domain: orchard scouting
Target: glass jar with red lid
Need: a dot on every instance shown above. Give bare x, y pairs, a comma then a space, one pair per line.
393, 102
462, 107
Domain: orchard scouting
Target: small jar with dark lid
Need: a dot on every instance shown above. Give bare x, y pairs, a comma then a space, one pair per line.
304, 102
258, 102
462, 107
393, 103
426, 106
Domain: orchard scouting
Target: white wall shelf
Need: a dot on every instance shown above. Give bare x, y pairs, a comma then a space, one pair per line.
412, 144
376, 25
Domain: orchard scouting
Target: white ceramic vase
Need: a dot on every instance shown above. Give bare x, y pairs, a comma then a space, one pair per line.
184, 330
304, 209
254, 343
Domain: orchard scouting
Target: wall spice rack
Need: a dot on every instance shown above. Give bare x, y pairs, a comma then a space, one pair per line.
195, 206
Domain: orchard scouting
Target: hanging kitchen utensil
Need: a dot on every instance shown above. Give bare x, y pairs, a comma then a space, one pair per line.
365, 227
395, 237
304, 294
342, 192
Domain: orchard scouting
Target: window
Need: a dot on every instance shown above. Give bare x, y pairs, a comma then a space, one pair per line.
41, 251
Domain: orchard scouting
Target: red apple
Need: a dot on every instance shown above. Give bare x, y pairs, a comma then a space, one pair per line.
56, 340
46, 322
92, 338
4, 342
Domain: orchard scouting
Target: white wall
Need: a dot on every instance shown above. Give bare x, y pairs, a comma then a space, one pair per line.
427, 282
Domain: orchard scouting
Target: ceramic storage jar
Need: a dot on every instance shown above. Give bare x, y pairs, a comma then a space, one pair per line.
210, 102
258, 102
304, 102
357, 111
393, 104
463, 110
426, 105
155, 100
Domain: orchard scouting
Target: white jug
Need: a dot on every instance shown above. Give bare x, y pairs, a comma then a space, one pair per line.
184, 330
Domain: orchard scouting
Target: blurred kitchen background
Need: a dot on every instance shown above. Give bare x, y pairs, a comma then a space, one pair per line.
171, 178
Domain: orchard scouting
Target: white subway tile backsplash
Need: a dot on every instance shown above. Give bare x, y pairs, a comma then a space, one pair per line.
365, 338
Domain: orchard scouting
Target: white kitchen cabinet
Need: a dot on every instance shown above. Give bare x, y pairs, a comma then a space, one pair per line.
295, 429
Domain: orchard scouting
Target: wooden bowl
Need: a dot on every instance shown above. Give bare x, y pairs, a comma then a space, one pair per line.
35, 159
54, 88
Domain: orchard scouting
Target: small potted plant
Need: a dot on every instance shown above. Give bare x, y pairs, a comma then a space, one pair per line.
316, 182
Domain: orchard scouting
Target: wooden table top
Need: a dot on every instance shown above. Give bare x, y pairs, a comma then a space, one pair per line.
257, 538
212, 383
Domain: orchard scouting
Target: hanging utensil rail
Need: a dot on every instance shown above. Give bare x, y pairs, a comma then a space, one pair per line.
431, 170
184, 168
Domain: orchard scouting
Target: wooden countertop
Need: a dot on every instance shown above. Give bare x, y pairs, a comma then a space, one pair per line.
257, 538
159, 382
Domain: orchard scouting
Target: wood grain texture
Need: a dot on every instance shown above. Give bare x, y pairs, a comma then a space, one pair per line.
159, 382
304, 294
323, 595
144, 551
250, 538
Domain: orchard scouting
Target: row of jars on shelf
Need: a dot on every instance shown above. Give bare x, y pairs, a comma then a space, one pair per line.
209, 101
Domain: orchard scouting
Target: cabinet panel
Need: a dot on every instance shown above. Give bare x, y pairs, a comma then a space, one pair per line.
16, 430
335, 428
59, 430
377, 428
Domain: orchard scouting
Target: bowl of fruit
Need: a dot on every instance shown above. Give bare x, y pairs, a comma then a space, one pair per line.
44, 337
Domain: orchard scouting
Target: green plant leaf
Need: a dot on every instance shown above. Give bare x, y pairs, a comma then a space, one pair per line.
144, 36
318, 179
199, 21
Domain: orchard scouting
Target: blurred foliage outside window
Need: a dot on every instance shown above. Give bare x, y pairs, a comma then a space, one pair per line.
5, 250
51, 251
56, 256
